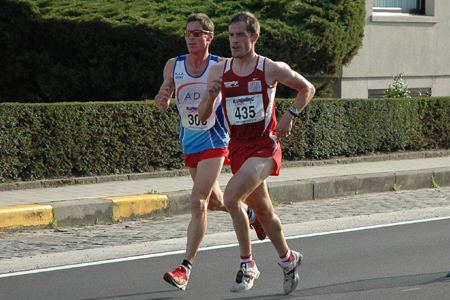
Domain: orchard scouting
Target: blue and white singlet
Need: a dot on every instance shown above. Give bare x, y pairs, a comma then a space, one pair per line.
197, 136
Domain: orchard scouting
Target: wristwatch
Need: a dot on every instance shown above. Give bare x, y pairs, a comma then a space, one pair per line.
293, 111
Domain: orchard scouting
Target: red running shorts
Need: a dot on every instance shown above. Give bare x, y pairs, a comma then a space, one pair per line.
267, 146
192, 160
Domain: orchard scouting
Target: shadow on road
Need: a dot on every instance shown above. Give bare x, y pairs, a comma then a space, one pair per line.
375, 283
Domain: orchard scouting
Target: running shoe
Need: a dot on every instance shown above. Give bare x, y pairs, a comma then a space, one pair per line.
246, 274
178, 278
290, 271
260, 233
256, 224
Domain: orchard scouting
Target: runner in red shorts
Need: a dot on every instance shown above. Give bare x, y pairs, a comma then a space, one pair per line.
204, 144
247, 83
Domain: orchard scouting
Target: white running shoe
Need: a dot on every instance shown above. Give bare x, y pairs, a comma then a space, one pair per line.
290, 271
245, 277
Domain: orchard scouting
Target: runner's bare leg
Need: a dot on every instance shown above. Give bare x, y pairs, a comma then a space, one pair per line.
249, 183
205, 178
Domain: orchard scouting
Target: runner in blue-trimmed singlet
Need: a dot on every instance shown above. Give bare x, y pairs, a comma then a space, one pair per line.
204, 144
196, 136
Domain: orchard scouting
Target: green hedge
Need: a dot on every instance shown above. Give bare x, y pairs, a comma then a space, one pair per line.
58, 140
46, 141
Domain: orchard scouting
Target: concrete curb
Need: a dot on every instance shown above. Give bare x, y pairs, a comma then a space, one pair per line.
26, 215
82, 211
344, 186
106, 210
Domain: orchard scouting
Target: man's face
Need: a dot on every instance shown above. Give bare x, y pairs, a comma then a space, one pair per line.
240, 39
196, 44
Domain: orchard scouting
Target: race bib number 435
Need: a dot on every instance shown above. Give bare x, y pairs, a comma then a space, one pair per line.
245, 109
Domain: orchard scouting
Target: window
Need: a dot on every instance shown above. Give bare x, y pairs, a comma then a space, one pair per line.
404, 11
400, 6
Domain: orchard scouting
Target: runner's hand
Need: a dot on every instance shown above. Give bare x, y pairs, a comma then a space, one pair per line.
284, 127
213, 88
162, 99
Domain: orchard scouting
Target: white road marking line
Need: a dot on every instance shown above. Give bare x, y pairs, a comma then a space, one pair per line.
118, 260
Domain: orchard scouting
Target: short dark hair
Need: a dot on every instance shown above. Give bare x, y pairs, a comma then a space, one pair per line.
249, 19
203, 19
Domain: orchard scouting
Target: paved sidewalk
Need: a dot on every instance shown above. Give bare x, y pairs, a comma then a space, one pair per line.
129, 198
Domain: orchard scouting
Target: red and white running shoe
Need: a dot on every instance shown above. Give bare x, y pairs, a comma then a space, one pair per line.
246, 274
290, 272
178, 278
257, 226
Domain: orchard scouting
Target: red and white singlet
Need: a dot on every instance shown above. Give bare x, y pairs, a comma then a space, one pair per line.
248, 102
249, 109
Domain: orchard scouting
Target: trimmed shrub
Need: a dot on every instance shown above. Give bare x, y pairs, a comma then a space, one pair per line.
58, 140
63, 50
46, 141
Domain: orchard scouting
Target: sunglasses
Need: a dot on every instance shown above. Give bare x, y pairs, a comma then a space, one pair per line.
196, 33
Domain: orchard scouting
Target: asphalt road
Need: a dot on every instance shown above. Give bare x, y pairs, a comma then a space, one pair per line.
397, 261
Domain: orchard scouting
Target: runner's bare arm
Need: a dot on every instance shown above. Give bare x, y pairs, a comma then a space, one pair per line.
214, 83
281, 72
162, 100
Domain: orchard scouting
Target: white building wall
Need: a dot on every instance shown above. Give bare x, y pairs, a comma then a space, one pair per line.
417, 46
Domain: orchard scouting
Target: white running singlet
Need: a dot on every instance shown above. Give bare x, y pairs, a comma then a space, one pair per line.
197, 136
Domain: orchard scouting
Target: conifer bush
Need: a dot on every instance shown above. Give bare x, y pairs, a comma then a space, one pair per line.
64, 50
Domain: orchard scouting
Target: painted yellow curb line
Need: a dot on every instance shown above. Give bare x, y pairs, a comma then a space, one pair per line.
126, 206
25, 215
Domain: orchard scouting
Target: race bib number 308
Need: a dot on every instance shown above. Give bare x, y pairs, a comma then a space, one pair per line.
190, 95
190, 119
245, 109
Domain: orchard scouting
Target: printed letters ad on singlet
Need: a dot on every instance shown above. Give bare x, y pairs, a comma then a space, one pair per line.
245, 109
190, 96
